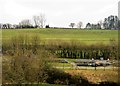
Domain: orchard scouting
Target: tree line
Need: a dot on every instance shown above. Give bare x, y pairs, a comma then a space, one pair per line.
38, 22
111, 22
81, 51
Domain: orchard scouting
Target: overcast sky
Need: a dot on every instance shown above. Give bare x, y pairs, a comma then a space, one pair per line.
58, 12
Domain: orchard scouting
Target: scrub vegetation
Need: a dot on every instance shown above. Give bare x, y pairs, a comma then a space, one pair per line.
28, 54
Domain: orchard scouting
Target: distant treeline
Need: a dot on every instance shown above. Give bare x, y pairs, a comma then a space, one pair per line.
109, 23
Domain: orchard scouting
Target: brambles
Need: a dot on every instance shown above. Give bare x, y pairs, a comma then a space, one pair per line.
27, 63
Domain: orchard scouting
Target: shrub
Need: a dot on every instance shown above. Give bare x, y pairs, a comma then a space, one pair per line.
56, 76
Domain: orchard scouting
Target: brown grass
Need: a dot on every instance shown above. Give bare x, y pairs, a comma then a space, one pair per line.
96, 76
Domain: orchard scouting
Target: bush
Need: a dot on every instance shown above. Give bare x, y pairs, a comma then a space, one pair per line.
56, 76
24, 69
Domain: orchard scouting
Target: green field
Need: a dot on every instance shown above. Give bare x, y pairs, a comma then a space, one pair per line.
85, 36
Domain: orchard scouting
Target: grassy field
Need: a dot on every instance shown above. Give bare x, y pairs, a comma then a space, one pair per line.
55, 64
85, 36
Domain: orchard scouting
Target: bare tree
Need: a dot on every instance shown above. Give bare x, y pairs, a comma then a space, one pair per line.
36, 21
8, 25
25, 23
1, 25
39, 20
79, 25
42, 20
100, 22
72, 25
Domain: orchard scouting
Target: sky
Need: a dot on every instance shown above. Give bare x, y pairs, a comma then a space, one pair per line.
58, 13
